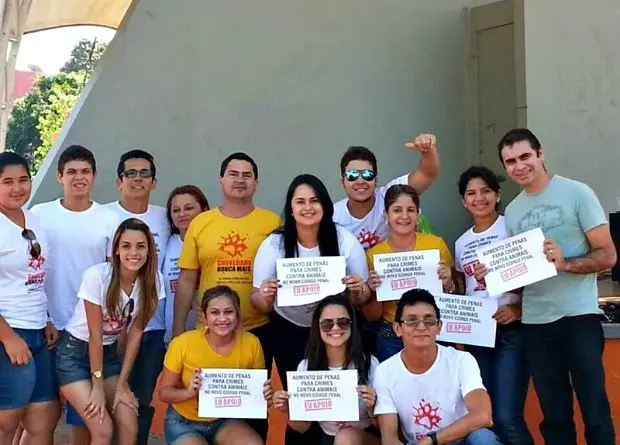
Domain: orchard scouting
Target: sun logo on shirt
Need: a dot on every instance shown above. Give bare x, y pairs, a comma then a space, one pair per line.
368, 239
426, 415
233, 244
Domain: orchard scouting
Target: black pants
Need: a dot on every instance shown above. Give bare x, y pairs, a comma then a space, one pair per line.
570, 350
263, 333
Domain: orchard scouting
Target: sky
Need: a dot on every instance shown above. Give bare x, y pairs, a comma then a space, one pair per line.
51, 49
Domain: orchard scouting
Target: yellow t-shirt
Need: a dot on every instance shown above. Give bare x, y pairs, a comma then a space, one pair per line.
424, 241
223, 249
191, 350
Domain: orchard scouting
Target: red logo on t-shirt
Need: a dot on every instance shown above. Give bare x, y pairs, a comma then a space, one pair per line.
368, 239
233, 244
426, 415
36, 263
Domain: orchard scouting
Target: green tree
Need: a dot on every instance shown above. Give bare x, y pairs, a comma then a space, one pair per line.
38, 116
84, 56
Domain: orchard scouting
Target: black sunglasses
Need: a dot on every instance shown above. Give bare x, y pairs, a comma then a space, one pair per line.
327, 324
366, 174
134, 173
35, 247
127, 311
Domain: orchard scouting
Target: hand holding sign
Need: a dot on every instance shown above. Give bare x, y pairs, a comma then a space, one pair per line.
194, 384
374, 280
554, 255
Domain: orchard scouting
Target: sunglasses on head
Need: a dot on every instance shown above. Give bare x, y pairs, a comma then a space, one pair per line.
35, 247
366, 174
127, 311
134, 173
327, 324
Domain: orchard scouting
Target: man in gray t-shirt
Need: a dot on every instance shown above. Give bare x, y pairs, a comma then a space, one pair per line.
562, 323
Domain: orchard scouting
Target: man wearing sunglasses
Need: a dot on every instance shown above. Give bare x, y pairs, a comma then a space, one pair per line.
431, 394
136, 180
80, 233
361, 212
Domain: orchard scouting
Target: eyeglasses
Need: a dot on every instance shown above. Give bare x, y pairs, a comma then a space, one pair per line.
35, 247
366, 174
134, 173
327, 324
127, 311
415, 322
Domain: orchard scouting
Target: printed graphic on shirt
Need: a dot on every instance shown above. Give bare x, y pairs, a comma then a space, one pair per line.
233, 244
426, 414
368, 238
547, 217
114, 325
36, 278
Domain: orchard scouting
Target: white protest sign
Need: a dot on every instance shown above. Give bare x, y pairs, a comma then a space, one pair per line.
308, 280
516, 262
467, 320
323, 396
407, 270
232, 393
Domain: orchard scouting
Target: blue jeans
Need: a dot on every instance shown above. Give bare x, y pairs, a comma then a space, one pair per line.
482, 436
388, 343
564, 355
143, 379
33, 382
177, 427
505, 373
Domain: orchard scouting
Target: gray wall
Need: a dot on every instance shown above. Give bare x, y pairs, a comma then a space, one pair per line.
573, 89
292, 82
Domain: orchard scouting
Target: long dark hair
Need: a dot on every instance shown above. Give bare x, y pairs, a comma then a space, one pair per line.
147, 275
328, 235
355, 354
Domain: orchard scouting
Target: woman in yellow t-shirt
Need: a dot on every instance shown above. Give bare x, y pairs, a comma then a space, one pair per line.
220, 344
402, 206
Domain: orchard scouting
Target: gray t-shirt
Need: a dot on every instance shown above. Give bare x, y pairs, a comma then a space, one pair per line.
565, 210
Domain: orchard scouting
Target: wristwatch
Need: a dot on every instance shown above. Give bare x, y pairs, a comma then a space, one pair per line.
433, 436
97, 374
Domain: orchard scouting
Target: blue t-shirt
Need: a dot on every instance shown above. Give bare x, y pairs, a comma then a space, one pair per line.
565, 210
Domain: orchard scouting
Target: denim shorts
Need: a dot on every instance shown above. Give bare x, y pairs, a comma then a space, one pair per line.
177, 427
73, 362
33, 382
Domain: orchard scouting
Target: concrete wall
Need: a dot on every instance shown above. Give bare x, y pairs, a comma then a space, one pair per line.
292, 82
573, 89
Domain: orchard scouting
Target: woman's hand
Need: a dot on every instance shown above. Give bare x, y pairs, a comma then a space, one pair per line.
268, 291
445, 275
124, 395
51, 335
354, 283
95, 406
374, 280
508, 314
280, 401
268, 393
368, 395
194, 384
17, 349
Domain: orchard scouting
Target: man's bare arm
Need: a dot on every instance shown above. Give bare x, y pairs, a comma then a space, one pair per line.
186, 286
479, 416
422, 177
388, 425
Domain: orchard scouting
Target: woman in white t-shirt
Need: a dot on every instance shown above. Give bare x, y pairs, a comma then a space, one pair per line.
114, 298
335, 344
503, 368
184, 204
27, 390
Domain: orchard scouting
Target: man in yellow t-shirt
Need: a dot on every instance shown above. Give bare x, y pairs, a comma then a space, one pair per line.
387, 342
220, 246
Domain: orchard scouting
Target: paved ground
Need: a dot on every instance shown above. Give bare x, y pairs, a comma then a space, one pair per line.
61, 437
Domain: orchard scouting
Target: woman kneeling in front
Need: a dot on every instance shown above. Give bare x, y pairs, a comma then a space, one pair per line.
221, 344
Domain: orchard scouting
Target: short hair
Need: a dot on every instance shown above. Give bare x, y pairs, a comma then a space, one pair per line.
517, 135
221, 291
135, 154
185, 190
76, 153
8, 159
413, 297
357, 153
239, 156
396, 191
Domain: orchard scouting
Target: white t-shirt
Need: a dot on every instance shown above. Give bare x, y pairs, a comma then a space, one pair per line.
171, 274
331, 428
23, 303
465, 259
430, 401
94, 288
272, 249
78, 240
372, 228
155, 217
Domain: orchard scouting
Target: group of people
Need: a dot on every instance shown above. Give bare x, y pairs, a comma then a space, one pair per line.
100, 302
